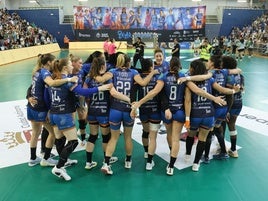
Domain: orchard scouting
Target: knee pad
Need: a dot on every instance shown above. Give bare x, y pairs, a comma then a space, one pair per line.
145, 134
82, 124
154, 127
92, 138
106, 138
233, 133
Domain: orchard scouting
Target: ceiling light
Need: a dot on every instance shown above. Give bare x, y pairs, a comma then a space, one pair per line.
32, 1
196, 0
138, 0
83, 0
241, 1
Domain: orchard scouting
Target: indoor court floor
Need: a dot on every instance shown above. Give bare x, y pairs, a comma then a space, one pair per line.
241, 179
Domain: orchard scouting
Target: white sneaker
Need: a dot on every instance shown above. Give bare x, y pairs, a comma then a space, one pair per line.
70, 162
145, 155
170, 171
49, 162
149, 166
195, 167
128, 164
61, 173
187, 158
106, 169
91, 165
34, 162
233, 154
113, 159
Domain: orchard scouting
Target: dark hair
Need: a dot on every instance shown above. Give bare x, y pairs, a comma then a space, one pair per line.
197, 67
175, 66
157, 50
46, 58
96, 67
228, 62
58, 66
95, 54
216, 59
146, 64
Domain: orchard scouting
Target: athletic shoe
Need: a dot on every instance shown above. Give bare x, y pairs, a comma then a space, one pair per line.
113, 159
149, 166
49, 162
70, 162
145, 155
61, 173
170, 171
83, 143
91, 165
195, 167
221, 156
106, 169
205, 159
233, 154
128, 164
187, 158
34, 162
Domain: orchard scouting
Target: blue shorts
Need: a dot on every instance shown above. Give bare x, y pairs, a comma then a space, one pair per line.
206, 123
153, 118
116, 117
62, 121
179, 116
33, 115
102, 120
235, 112
220, 115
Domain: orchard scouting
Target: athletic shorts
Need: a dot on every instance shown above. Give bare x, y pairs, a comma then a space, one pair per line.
235, 112
179, 116
116, 117
154, 118
206, 123
62, 121
98, 119
220, 115
33, 115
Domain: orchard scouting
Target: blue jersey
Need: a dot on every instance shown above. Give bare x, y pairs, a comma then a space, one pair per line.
220, 76
201, 106
123, 80
175, 92
99, 102
63, 100
123, 18
152, 105
38, 89
236, 80
163, 68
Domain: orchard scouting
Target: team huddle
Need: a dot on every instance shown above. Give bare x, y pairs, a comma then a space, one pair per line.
108, 95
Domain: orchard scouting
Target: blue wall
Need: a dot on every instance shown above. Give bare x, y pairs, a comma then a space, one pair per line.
238, 18
47, 19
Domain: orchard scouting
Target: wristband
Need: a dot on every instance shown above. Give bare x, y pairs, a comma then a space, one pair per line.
187, 118
188, 78
68, 79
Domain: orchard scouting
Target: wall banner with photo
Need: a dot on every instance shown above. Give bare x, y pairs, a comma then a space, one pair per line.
98, 23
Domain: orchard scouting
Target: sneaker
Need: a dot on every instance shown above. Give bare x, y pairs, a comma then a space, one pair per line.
83, 143
106, 169
113, 159
195, 167
128, 164
187, 158
145, 155
49, 162
233, 154
149, 166
170, 171
70, 162
61, 173
221, 156
34, 162
91, 165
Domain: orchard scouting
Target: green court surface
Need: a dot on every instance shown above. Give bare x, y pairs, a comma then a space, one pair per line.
241, 179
